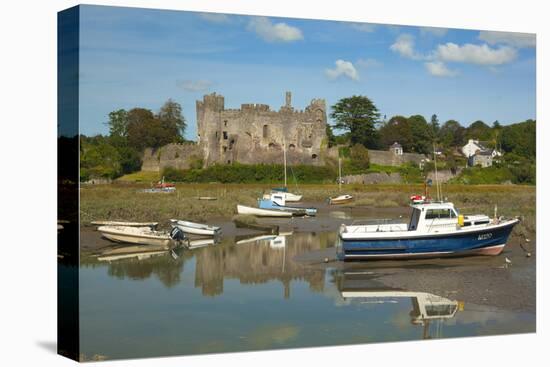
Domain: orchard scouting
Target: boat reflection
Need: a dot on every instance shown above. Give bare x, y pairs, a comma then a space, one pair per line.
427, 309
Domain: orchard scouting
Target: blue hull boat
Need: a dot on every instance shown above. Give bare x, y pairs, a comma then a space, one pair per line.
425, 236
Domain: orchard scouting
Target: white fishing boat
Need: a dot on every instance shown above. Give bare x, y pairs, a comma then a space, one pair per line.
124, 224
435, 229
196, 228
136, 235
343, 198
248, 210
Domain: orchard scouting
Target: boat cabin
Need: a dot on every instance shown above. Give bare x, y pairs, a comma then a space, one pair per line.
430, 217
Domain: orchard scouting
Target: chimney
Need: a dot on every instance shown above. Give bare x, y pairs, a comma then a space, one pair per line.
288, 99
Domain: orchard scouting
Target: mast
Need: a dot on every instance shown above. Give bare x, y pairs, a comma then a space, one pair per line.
284, 157
339, 174
436, 180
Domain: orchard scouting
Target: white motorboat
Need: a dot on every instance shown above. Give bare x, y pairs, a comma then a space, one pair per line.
242, 209
196, 228
136, 235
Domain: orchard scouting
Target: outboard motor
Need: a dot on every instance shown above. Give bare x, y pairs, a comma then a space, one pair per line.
177, 234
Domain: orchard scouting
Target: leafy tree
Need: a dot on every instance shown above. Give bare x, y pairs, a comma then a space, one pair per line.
421, 134
397, 129
359, 156
520, 139
451, 134
118, 123
170, 115
145, 130
434, 124
98, 158
479, 130
359, 116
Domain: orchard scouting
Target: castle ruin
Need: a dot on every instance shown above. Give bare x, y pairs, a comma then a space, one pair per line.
256, 134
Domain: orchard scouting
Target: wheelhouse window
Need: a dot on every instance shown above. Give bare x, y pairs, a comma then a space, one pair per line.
440, 214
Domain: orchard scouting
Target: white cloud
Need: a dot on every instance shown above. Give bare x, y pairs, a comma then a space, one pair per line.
368, 63
342, 69
195, 85
435, 31
215, 17
509, 38
475, 54
274, 32
437, 68
363, 27
404, 46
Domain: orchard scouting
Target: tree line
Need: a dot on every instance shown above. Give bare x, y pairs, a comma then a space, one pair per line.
360, 120
130, 132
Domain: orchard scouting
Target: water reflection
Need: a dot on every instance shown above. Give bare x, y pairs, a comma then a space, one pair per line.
426, 309
252, 260
249, 293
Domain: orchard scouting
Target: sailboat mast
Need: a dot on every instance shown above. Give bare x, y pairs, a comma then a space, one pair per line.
339, 174
284, 157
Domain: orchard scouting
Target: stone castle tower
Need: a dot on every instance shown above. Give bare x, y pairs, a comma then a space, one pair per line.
255, 134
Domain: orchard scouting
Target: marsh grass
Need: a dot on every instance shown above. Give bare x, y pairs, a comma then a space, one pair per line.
124, 202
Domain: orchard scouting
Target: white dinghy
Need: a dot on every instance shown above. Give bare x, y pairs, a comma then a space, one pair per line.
196, 228
136, 235
248, 210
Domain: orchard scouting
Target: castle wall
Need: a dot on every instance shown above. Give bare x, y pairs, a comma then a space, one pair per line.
256, 134
177, 156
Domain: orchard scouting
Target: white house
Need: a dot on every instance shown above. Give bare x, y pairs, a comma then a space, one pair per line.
396, 149
478, 154
472, 147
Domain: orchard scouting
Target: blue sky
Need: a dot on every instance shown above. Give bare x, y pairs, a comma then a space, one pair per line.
141, 57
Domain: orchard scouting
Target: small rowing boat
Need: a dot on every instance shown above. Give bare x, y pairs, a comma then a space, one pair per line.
196, 228
242, 209
136, 235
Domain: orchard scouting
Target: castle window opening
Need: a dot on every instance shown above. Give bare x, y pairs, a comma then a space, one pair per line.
225, 135
225, 149
229, 161
224, 122
271, 145
217, 136
313, 156
231, 144
292, 147
266, 131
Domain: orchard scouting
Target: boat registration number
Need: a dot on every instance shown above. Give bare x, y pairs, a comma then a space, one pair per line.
484, 236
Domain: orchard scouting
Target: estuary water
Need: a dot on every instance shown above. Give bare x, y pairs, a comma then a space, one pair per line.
253, 294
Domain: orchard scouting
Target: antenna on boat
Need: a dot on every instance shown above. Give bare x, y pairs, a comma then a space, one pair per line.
437, 188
